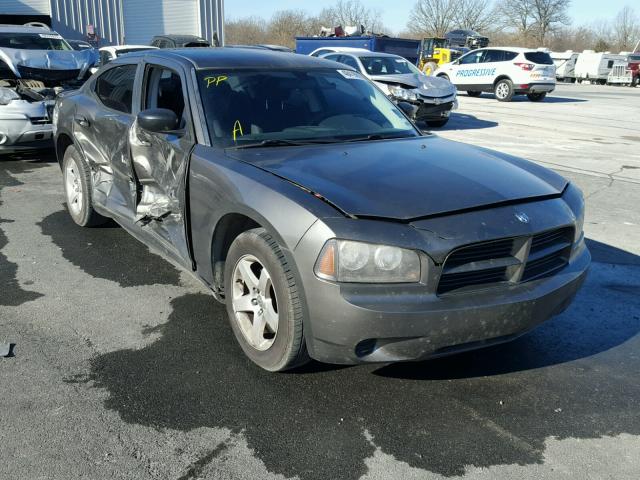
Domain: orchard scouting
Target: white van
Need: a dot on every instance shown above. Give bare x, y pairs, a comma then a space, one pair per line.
595, 66
504, 71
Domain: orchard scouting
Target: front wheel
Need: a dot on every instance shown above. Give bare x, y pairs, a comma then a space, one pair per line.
537, 97
504, 90
77, 188
264, 303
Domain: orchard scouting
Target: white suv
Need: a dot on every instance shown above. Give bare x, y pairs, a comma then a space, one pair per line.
503, 71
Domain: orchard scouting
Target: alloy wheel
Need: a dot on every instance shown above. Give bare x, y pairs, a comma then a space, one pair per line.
254, 302
73, 187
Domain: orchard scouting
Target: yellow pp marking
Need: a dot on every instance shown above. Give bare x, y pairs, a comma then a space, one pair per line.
215, 80
237, 128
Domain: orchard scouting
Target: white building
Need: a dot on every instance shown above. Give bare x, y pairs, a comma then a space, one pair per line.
120, 21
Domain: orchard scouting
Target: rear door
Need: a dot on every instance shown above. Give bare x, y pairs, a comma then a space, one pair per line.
160, 160
101, 124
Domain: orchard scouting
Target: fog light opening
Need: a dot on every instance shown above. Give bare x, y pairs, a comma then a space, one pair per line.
365, 347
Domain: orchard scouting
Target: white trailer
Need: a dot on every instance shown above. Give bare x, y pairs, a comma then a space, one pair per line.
595, 66
565, 63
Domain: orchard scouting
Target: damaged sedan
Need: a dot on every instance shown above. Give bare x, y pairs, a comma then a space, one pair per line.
306, 200
36, 64
433, 98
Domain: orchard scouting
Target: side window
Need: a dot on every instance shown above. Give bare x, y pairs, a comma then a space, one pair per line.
333, 58
114, 87
321, 52
472, 57
493, 56
508, 56
163, 89
349, 61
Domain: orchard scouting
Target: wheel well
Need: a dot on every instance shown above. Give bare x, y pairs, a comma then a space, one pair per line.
227, 230
64, 141
501, 77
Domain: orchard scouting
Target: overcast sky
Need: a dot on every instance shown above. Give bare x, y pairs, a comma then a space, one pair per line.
395, 14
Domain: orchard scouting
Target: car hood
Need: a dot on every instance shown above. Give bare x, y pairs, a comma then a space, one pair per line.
407, 178
427, 85
47, 59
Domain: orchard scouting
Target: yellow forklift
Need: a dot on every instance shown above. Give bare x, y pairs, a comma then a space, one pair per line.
435, 51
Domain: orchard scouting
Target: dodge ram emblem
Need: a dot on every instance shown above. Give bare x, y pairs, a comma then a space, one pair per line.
522, 217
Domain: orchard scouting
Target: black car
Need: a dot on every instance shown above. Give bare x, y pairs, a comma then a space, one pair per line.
298, 193
179, 41
466, 38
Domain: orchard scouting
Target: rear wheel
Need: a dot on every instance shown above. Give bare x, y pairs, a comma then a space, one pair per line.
263, 302
504, 90
473, 93
537, 97
77, 188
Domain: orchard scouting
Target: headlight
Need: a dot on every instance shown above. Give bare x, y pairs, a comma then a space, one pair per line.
574, 198
7, 94
403, 93
359, 262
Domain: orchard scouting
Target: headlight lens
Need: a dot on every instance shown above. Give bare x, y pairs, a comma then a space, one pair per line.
403, 93
7, 94
359, 262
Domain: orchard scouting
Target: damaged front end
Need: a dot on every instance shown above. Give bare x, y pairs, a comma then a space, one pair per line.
26, 108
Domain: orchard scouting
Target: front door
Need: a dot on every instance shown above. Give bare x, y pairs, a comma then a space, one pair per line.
160, 161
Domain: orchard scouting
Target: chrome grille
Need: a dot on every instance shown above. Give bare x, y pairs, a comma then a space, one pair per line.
511, 260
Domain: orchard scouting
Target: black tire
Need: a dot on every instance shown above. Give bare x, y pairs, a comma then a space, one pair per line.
537, 97
634, 82
84, 215
473, 93
437, 123
503, 90
289, 348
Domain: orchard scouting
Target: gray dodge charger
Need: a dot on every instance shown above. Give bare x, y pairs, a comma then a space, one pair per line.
309, 204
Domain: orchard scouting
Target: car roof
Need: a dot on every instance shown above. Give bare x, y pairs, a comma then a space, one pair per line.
181, 38
508, 49
367, 53
115, 48
24, 29
221, 58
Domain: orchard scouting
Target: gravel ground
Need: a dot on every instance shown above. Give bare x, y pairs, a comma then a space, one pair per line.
125, 367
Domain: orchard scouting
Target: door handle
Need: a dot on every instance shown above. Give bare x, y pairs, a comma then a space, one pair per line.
81, 120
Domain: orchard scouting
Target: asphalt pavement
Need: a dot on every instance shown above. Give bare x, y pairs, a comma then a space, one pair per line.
125, 367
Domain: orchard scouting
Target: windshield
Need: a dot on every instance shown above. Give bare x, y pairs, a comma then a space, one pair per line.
634, 58
251, 107
387, 66
542, 58
33, 41
129, 50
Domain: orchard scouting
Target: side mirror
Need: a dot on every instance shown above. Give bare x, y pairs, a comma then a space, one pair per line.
158, 120
409, 109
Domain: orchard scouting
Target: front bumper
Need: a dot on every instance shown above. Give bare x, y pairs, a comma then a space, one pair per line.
25, 125
351, 323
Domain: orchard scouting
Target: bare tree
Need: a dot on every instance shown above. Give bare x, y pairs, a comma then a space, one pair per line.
433, 17
548, 15
516, 14
626, 29
285, 25
246, 31
352, 13
476, 15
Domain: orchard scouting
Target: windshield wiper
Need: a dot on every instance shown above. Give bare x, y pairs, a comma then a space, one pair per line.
275, 142
376, 136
